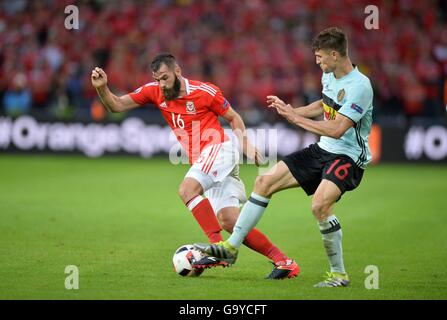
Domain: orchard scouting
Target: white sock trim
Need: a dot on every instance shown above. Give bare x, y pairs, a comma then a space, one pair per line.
194, 202
259, 198
330, 222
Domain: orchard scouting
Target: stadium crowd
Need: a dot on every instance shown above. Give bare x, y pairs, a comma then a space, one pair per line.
248, 48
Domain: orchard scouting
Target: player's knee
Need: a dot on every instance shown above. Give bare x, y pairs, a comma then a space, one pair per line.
185, 193
227, 225
227, 222
263, 186
319, 209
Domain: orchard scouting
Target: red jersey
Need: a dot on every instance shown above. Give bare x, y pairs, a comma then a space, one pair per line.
193, 117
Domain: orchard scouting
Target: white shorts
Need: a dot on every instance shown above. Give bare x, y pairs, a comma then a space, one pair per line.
228, 193
217, 171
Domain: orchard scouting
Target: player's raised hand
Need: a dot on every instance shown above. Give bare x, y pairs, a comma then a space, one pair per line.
285, 110
99, 77
274, 100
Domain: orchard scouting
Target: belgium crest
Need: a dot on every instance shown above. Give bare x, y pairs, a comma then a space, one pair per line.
340, 95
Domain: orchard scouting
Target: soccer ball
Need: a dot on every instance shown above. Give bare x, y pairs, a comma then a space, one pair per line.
182, 259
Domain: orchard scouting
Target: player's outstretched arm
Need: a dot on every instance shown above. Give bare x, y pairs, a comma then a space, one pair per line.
332, 128
312, 110
110, 101
238, 127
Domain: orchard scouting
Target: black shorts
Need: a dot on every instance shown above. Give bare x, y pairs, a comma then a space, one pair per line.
312, 164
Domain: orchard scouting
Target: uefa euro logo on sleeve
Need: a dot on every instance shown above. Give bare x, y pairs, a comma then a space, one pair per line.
138, 90
226, 104
357, 108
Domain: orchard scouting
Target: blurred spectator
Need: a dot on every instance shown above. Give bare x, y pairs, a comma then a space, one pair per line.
248, 48
440, 48
17, 99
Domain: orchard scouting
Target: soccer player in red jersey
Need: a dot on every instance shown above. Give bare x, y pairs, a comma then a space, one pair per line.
192, 108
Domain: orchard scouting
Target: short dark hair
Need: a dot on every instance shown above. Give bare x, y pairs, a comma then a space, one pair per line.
163, 58
331, 39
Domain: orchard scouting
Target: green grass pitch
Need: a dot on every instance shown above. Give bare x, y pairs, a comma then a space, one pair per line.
119, 220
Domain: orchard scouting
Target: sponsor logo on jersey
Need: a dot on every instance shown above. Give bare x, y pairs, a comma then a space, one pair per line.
163, 105
190, 107
357, 108
226, 104
340, 95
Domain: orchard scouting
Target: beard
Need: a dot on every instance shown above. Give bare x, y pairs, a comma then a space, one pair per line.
172, 93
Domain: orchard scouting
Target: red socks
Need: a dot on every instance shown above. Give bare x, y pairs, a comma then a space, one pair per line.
258, 242
203, 212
